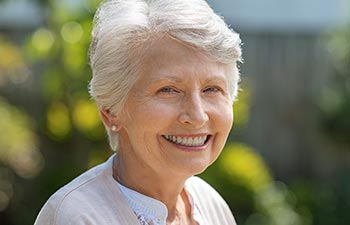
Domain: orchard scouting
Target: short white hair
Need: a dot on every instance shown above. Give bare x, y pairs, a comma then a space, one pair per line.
124, 30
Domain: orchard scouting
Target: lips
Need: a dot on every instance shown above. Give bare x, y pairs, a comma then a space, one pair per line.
187, 141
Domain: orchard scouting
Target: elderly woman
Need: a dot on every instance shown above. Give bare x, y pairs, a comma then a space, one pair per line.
164, 79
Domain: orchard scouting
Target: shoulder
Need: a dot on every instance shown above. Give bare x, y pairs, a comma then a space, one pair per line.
79, 200
209, 201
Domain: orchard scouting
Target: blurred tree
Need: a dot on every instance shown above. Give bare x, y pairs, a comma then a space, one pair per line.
13, 68
60, 49
245, 182
18, 150
334, 104
68, 130
22, 156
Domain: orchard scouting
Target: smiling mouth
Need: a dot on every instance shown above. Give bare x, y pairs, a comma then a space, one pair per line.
187, 141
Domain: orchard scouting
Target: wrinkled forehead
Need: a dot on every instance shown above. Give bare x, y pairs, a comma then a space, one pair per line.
174, 60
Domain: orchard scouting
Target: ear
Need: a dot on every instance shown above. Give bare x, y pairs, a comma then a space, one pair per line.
111, 121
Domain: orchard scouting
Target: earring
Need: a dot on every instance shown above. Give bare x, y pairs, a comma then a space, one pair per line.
114, 128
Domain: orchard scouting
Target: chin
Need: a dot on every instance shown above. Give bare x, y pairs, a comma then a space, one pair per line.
193, 167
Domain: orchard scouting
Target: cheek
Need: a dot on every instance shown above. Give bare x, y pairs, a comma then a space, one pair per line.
153, 116
224, 117
159, 111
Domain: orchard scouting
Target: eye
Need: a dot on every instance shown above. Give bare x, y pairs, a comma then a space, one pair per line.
212, 89
168, 90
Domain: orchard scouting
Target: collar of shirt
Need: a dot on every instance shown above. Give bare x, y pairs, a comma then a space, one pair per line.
145, 208
151, 211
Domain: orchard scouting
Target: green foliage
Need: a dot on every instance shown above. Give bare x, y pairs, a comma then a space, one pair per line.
62, 48
241, 108
65, 125
13, 68
18, 144
334, 103
324, 202
245, 167
246, 183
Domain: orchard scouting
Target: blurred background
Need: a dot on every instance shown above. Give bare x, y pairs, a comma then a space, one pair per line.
287, 161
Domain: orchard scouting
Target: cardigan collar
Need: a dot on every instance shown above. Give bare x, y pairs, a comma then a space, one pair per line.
145, 208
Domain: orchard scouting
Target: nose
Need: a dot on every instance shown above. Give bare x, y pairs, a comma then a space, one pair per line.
194, 112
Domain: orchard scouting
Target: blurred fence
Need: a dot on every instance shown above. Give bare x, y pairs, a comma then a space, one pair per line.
290, 76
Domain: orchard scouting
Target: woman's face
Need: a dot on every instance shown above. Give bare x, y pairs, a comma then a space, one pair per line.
179, 113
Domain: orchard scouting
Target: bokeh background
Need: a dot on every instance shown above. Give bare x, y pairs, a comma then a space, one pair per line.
287, 161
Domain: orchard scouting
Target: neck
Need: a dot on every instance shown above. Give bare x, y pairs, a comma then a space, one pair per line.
163, 186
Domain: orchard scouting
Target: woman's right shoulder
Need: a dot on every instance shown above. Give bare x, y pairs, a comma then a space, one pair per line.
69, 204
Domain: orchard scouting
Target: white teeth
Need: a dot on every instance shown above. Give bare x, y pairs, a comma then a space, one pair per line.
186, 141
196, 140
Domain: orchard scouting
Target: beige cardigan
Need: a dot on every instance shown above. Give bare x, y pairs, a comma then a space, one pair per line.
94, 198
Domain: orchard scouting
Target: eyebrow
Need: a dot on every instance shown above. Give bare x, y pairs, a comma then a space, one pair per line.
216, 79
167, 78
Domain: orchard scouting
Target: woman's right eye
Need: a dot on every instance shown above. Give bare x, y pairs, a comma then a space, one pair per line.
168, 90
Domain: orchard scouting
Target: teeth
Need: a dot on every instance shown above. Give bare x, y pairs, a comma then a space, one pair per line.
187, 141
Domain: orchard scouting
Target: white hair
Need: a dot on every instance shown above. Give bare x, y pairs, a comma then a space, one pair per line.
124, 30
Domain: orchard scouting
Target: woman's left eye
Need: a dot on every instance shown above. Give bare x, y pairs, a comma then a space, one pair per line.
211, 89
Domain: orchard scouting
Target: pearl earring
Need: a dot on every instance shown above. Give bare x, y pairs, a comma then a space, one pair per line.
114, 128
